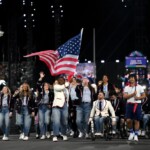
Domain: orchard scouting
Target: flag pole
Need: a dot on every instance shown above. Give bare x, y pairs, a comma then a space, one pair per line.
94, 52
81, 34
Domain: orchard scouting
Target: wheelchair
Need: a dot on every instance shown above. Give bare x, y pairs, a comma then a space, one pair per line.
123, 131
107, 132
107, 128
92, 130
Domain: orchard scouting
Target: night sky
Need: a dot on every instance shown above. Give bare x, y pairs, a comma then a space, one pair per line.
121, 26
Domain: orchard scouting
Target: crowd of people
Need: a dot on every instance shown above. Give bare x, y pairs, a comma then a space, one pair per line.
70, 105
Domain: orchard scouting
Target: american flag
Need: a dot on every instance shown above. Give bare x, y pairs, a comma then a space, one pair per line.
63, 60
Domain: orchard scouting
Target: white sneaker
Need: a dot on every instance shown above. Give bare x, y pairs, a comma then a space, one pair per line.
143, 133
51, 132
48, 135
131, 136
98, 133
71, 133
42, 137
21, 136
102, 135
37, 136
136, 138
140, 132
113, 132
86, 135
80, 135
26, 138
55, 139
65, 138
5, 138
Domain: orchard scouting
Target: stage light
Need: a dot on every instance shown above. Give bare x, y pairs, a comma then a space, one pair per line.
1, 33
147, 61
31, 3
102, 61
89, 61
117, 61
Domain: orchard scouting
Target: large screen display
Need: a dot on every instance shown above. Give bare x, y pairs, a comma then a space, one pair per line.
136, 62
86, 69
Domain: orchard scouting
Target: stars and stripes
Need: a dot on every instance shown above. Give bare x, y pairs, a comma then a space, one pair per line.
63, 60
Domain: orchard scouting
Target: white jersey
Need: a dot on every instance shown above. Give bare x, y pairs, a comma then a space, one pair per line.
129, 90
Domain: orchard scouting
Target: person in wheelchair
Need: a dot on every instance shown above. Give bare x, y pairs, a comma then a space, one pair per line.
100, 112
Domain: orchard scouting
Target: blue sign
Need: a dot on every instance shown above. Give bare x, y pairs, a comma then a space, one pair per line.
136, 62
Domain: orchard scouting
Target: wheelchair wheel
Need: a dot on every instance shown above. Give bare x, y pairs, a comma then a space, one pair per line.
107, 135
123, 129
93, 136
107, 129
123, 132
92, 130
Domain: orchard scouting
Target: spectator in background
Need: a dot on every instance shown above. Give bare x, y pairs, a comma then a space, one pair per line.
118, 105
106, 86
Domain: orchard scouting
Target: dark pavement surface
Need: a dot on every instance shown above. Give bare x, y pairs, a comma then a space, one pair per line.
72, 144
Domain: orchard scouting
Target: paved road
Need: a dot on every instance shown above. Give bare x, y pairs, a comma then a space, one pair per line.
72, 144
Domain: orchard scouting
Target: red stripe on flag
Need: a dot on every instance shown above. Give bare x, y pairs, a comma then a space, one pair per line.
64, 59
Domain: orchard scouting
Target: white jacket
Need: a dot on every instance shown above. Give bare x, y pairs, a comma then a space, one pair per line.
105, 112
59, 95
